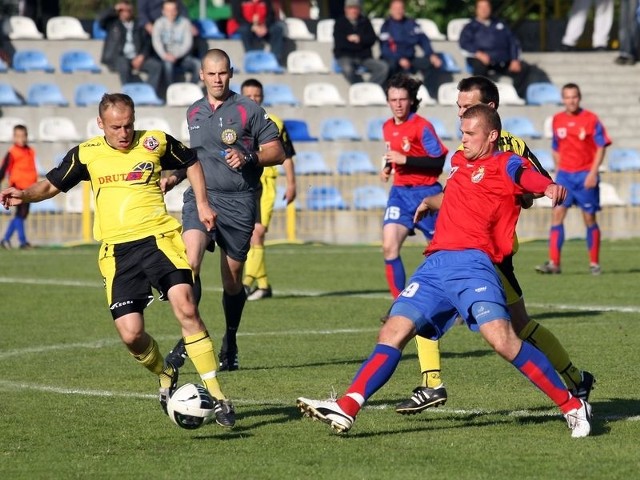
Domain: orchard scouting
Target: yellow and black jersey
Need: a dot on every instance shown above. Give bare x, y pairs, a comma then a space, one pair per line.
287, 146
511, 143
129, 204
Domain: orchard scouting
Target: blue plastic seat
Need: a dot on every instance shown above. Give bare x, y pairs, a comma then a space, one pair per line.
299, 131
520, 127
634, 194
311, 163
31, 60
97, 32
45, 94
546, 159
142, 93
78, 61
542, 93
439, 127
449, 63
338, 128
279, 94
260, 61
208, 29
46, 206
325, 198
369, 197
89, 94
374, 128
3, 66
354, 162
623, 159
8, 96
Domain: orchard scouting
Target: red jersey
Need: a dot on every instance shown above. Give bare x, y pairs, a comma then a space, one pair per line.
576, 137
414, 137
20, 165
479, 209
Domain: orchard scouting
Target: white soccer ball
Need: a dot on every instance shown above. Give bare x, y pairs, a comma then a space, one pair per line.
191, 406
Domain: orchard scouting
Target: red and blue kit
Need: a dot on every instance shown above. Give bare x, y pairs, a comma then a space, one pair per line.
576, 137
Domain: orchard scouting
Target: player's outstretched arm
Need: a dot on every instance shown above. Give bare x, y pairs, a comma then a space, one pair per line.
428, 206
557, 193
37, 192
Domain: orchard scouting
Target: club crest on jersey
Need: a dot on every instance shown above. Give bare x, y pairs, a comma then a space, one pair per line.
150, 143
229, 136
406, 145
562, 133
478, 175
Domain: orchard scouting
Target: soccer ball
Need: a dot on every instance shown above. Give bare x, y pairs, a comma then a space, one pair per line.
191, 406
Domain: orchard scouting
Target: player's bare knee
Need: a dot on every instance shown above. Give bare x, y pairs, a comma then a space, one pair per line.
396, 331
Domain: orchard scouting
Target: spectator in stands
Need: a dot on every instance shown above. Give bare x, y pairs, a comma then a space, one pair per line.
127, 48
20, 165
491, 47
40, 11
172, 40
399, 37
628, 32
257, 23
353, 37
602, 21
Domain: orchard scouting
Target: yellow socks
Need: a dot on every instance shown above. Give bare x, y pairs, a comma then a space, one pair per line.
429, 357
200, 350
545, 341
151, 358
255, 267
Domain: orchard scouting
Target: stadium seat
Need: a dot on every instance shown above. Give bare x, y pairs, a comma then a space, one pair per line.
153, 123
543, 93
74, 200
281, 202
97, 32
65, 28
634, 194
425, 98
50, 205
354, 162
173, 199
141, 93
547, 128
279, 94
297, 29
6, 128
57, 129
305, 61
454, 28
89, 93
446, 168
338, 128
311, 163
449, 63
45, 93
325, 198
324, 30
520, 127
208, 29
299, 131
623, 159
4, 68
78, 61
366, 94
183, 94
184, 131
261, 61
369, 197
546, 159
508, 94
609, 197
377, 23
430, 29
93, 130
448, 93
31, 60
374, 128
8, 96
319, 94
440, 128
18, 27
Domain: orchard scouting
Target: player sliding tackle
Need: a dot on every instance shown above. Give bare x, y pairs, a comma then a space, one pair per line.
474, 230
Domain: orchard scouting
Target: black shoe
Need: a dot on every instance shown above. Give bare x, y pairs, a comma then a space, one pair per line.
177, 355
5, 244
422, 398
228, 361
171, 373
26, 246
567, 48
583, 390
225, 413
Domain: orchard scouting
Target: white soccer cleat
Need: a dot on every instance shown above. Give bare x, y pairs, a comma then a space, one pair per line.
327, 411
579, 420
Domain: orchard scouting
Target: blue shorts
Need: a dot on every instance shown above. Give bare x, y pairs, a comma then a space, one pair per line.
446, 285
588, 199
403, 203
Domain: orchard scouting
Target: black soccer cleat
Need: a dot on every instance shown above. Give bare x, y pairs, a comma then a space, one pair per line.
225, 413
168, 380
422, 398
228, 361
583, 390
177, 355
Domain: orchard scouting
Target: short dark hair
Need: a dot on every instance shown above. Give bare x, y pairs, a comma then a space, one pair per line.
411, 85
487, 88
112, 99
489, 115
20, 127
252, 82
572, 86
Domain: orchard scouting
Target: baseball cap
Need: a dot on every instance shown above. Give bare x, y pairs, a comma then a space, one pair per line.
352, 3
